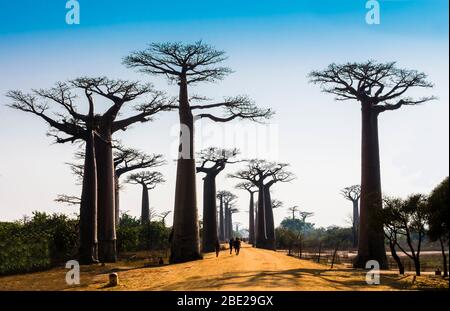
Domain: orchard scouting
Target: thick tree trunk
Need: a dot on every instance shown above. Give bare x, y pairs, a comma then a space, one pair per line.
444, 257
256, 223
116, 200
270, 226
251, 220
261, 230
230, 223
221, 222
371, 235
226, 222
209, 214
417, 265
355, 223
106, 202
145, 207
88, 207
185, 242
401, 268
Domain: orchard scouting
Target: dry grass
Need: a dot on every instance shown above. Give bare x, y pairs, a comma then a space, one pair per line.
253, 269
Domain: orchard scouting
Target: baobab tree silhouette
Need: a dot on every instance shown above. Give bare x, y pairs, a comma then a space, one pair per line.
293, 210
212, 161
148, 180
378, 87
187, 64
250, 188
264, 175
229, 199
353, 193
97, 199
127, 160
221, 196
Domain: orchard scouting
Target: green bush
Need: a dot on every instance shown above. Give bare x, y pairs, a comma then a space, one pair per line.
38, 243
45, 241
21, 250
133, 236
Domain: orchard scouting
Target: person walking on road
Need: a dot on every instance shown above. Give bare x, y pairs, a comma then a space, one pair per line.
231, 245
237, 246
217, 248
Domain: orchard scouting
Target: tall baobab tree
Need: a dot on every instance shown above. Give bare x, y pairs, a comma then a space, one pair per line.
127, 160
220, 196
264, 175
37, 103
148, 181
211, 162
236, 226
293, 210
250, 188
378, 87
228, 206
231, 210
187, 64
353, 193
73, 125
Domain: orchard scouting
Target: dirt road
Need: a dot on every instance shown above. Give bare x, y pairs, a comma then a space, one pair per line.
253, 269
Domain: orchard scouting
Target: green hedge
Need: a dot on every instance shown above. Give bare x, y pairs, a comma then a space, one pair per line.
45, 241
23, 252
38, 243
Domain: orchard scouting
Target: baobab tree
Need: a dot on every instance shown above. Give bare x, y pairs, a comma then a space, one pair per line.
353, 193
231, 210
211, 162
69, 125
378, 87
163, 217
228, 199
304, 215
250, 188
264, 175
187, 64
127, 160
220, 196
236, 226
148, 180
293, 210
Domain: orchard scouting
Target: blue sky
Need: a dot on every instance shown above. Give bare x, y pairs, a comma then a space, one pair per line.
272, 45
25, 16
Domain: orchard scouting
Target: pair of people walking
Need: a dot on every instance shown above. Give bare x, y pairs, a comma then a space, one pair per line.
236, 244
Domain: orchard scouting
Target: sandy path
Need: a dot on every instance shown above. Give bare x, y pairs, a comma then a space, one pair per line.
253, 269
